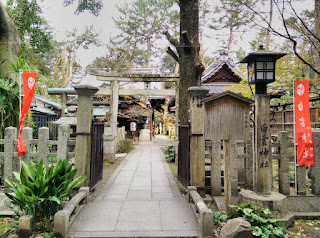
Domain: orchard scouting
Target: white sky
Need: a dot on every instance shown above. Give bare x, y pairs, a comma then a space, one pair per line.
63, 18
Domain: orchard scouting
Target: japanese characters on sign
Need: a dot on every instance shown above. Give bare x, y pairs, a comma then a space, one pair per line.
303, 131
264, 151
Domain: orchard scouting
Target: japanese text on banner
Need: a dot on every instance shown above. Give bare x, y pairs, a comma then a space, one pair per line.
303, 130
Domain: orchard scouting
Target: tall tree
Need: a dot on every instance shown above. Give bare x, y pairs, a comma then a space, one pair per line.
66, 59
299, 29
93, 6
35, 34
141, 24
186, 52
231, 15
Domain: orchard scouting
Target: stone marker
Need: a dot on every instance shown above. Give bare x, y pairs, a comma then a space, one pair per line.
236, 228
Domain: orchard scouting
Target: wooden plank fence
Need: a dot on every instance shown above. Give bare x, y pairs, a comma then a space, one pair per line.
282, 154
40, 149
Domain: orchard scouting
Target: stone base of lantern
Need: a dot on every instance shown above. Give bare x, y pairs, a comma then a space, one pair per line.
276, 202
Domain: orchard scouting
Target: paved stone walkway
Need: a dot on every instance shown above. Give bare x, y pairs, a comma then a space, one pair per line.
141, 199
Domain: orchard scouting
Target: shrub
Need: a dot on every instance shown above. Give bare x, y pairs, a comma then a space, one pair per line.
262, 223
41, 192
125, 146
170, 153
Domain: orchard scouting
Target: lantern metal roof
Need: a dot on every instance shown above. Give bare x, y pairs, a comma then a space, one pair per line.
262, 52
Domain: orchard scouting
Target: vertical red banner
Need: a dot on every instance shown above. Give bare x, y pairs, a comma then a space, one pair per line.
303, 130
29, 85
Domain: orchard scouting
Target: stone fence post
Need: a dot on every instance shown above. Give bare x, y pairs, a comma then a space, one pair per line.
10, 134
216, 168
249, 166
63, 137
284, 178
316, 167
43, 145
26, 136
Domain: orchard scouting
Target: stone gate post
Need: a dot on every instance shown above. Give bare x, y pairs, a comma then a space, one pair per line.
83, 135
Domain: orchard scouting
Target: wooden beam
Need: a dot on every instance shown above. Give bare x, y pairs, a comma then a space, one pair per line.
141, 92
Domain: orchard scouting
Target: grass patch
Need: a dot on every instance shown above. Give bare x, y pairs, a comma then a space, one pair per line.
106, 163
173, 168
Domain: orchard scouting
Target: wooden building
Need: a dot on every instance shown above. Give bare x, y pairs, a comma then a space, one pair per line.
227, 116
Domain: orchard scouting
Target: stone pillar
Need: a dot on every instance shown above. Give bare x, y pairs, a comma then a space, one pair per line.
284, 162
26, 136
110, 128
83, 135
262, 145
216, 168
63, 136
316, 167
249, 168
43, 145
10, 133
301, 180
234, 165
197, 140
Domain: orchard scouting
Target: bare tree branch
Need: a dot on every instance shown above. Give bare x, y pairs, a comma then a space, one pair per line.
172, 40
173, 54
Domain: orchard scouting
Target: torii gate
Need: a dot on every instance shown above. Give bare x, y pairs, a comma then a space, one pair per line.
115, 92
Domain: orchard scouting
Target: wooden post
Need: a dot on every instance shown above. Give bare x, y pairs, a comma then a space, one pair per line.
227, 175
262, 144
197, 140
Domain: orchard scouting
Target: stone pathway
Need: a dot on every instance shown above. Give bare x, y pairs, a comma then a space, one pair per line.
141, 199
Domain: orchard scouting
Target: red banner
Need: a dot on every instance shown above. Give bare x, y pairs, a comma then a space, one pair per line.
29, 85
303, 130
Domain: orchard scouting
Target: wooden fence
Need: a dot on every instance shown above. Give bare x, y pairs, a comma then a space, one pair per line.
41, 149
241, 153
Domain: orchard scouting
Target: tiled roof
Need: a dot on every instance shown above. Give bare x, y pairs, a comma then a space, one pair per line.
216, 66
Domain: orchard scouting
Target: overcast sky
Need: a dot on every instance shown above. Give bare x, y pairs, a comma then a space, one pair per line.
63, 18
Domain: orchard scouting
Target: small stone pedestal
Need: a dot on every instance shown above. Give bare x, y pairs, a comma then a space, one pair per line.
276, 202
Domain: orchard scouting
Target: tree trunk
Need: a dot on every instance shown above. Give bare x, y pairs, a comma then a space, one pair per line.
230, 40
10, 42
190, 67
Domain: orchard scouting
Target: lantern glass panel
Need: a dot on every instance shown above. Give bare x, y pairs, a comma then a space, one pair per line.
270, 75
270, 65
251, 72
260, 65
260, 75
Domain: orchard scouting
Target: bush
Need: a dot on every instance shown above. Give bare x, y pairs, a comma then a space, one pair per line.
262, 223
41, 192
125, 146
170, 153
